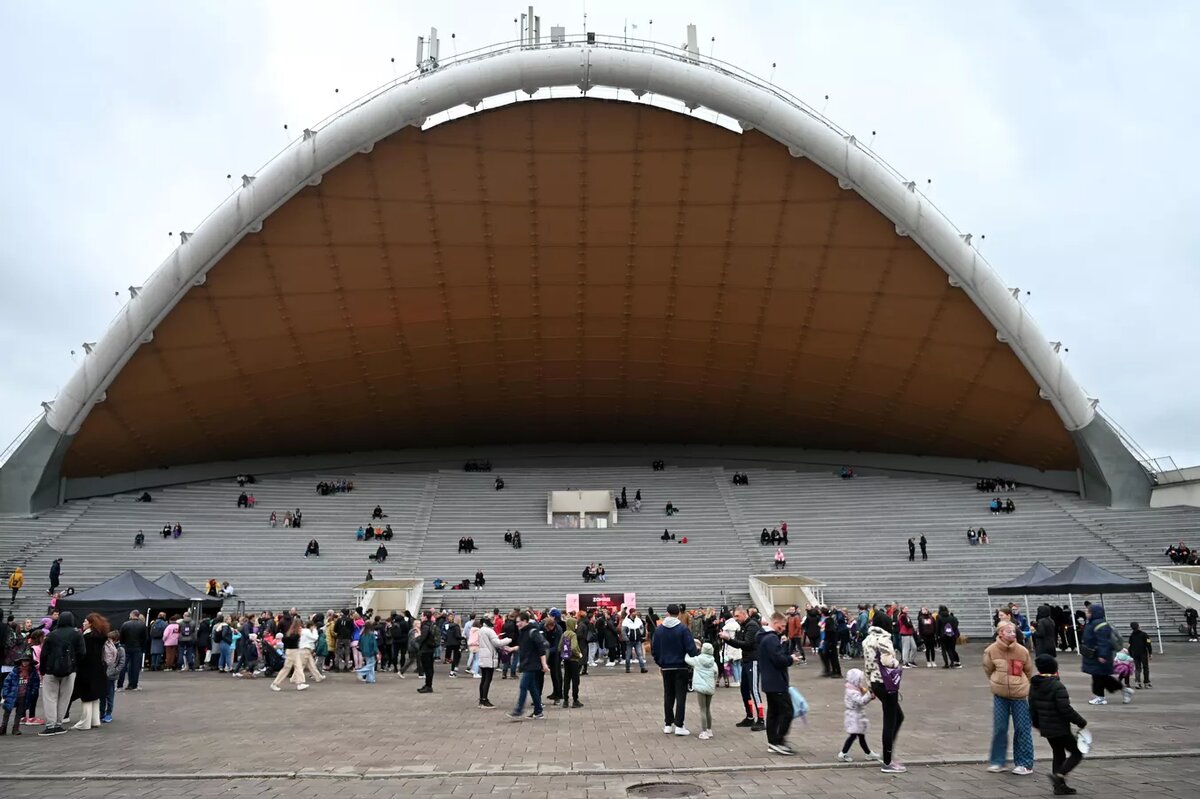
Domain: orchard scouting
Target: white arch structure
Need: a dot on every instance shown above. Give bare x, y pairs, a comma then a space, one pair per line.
640, 68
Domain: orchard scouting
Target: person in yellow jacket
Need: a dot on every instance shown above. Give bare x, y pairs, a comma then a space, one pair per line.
16, 582
1008, 668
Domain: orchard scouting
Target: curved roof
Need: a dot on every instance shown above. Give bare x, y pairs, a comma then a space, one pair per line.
571, 270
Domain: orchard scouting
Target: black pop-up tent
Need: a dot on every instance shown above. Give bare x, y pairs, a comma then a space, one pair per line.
116, 597
1085, 577
176, 584
1019, 586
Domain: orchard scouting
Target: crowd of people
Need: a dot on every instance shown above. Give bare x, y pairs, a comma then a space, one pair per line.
997, 505
477, 466
741, 479
594, 573
992, 485
776, 536
622, 502
975, 537
327, 487
513, 538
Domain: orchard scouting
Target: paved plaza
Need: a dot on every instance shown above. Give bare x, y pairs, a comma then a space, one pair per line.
203, 734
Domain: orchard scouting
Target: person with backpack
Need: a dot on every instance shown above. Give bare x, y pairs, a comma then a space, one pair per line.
114, 666
187, 643
883, 672
571, 655
19, 692
222, 639
1051, 713
136, 639
62, 652
947, 624
1098, 646
531, 654
16, 581
157, 649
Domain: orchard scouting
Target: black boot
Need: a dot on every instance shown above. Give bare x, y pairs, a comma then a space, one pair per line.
4, 725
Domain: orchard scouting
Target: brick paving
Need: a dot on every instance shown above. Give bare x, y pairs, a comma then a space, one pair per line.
357, 740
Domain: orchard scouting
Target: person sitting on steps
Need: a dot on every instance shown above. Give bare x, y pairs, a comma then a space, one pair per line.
378, 513
666, 536
671, 509
313, 548
499, 483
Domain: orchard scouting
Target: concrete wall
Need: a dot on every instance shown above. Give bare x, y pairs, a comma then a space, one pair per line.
1176, 494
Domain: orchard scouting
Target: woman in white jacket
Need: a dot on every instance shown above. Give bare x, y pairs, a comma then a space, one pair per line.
732, 655
489, 656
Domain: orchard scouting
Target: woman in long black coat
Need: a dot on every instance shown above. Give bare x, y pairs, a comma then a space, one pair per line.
91, 678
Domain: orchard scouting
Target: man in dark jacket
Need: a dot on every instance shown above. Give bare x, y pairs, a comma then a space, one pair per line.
1044, 634
746, 640
584, 631
531, 657
1097, 647
136, 640
773, 663
1191, 616
62, 652
671, 642
553, 632
426, 646
1051, 713
343, 632
55, 574
1140, 650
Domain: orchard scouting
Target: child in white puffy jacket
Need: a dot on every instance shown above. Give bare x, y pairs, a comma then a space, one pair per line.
856, 697
704, 683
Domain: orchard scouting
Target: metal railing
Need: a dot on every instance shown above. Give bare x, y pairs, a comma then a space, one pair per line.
1158, 470
16, 442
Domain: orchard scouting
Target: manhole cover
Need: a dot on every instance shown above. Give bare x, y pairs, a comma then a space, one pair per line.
665, 790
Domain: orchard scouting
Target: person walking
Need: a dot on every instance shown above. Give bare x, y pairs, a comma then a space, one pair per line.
1051, 712
490, 645
856, 695
571, 654
16, 581
1008, 667
91, 675
310, 639
672, 642
1140, 649
774, 662
879, 653
453, 641
531, 656
291, 652
62, 652
746, 640
924, 551
1098, 645
136, 639
426, 645
368, 648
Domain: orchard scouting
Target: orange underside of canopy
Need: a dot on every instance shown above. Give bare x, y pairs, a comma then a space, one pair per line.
572, 270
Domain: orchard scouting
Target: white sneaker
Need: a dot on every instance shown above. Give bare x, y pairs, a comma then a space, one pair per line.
704, 735
995, 769
844, 757
1097, 700
1021, 771
1126, 696
477, 676
682, 731
735, 684
275, 687
304, 686
668, 728
875, 756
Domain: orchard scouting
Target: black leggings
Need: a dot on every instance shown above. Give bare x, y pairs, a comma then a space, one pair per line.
455, 654
862, 741
930, 644
893, 717
570, 680
1060, 746
1141, 668
949, 654
485, 682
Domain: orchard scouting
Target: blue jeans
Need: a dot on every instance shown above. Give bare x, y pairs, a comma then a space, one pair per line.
735, 668
1022, 731
532, 686
187, 654
226, 659
133, 667
632, 647
367, 672
106, 704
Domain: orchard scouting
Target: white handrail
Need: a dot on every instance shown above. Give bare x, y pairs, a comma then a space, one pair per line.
20, 437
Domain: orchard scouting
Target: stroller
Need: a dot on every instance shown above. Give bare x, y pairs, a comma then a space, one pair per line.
272, 660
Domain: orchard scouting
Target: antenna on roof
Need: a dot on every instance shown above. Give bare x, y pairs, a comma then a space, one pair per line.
428, 63
531, 29
693, 48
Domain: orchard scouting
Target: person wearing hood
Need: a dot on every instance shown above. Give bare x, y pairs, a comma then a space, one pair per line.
1045, 636
746, 639
1098, 645
1051, 712
704, 683
855, 697
62, 652
774, 661
1008, 668
19, 692
16, 581
635, 632
878, 650
571, 654
672, 643
947, 624
731, 656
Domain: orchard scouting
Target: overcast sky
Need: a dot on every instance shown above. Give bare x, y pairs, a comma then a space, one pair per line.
1063, 132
